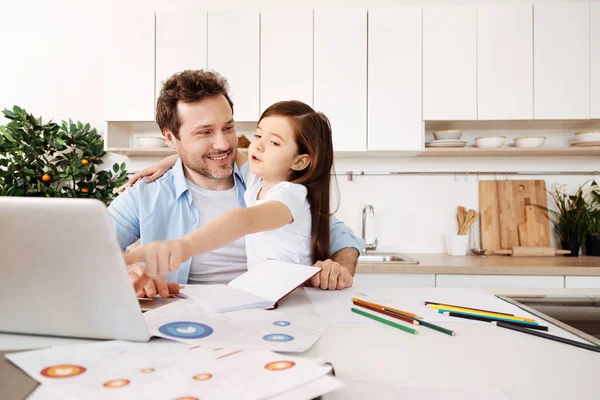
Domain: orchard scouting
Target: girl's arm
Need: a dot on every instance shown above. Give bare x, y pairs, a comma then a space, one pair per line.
166, 256
154, 171
241, 159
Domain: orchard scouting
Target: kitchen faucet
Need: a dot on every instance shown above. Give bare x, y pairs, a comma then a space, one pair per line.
368, 246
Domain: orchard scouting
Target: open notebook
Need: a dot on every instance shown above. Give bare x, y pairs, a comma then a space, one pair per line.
261, 287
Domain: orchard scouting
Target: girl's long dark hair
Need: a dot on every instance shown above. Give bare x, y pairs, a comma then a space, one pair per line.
312, 131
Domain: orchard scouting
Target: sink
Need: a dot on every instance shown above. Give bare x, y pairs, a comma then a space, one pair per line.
386, 257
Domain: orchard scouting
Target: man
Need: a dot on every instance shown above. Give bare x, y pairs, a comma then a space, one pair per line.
195, 114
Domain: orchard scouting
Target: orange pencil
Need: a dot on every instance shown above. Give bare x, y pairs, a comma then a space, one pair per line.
381, 307
384, 312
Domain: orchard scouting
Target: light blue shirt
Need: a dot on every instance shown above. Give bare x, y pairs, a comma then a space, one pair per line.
163, 210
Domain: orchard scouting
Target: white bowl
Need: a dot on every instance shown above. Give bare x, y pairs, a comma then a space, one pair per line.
530, 141
446, 135
488, 142
589, 136
151, 142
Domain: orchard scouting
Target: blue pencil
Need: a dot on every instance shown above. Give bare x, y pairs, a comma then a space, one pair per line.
483, 317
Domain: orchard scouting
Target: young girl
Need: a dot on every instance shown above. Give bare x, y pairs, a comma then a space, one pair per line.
287, 175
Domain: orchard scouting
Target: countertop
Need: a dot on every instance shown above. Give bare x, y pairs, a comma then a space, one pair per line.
490, 265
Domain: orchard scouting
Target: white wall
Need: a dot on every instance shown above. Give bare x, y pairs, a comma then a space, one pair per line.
51, 63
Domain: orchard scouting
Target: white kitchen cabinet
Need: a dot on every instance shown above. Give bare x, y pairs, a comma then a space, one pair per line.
595, 61
582, 282
129, 67
450, 63
286, 56
234, 52
340, 74
499, 281
180, 43
394, 80
394, 280
561, 61
505, 62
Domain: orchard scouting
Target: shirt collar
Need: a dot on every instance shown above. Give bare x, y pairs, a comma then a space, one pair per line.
181, 183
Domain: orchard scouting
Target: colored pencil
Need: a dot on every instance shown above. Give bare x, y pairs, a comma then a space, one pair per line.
385, 321
466, 310
469, 308
548, 336
388, 313
531, 325
405, 313
491, 317
432, 326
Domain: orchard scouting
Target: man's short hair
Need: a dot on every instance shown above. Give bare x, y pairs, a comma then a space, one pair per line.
188, 86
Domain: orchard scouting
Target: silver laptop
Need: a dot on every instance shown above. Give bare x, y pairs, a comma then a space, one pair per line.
62, 271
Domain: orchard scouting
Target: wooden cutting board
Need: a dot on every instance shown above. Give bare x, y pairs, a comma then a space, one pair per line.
489, 217
502, 205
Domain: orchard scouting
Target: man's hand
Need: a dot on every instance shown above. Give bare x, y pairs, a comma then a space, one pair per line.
160, 257
145, 286
333, 276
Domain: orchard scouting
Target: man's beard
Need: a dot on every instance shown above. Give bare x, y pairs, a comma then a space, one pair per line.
199, 165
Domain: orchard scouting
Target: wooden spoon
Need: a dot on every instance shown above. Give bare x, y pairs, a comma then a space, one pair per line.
471, 217
461, 217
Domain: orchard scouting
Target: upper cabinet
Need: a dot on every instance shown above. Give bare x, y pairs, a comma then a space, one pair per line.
180, 43
234, 52
129, 67
505, 62
340, 74
595, 62
562, 61
394, 80
286, 56
450, 63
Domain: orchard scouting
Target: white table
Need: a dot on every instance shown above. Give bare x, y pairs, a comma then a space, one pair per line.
525, 367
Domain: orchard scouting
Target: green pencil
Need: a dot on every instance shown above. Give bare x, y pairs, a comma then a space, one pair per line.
428, 324
385, 321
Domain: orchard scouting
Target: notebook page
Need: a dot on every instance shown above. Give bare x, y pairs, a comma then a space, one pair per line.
273, 280
223, 298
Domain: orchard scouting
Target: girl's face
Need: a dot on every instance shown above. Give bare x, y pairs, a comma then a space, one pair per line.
273, 153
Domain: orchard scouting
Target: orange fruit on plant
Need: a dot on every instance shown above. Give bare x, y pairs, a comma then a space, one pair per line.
46, 178
84, 190
84, 162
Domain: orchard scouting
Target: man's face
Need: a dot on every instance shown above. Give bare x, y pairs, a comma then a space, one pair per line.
207, 141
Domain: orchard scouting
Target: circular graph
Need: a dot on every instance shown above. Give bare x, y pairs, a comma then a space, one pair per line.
62, 371
186, 330
116, 383
202, 377
281, 323
278, 337
279, 365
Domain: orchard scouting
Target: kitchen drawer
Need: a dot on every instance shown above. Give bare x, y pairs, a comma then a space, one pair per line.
582, 282
395, 280
498, 281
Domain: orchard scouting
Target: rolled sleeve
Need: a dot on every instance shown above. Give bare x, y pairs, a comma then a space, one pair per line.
342, 237
124, 215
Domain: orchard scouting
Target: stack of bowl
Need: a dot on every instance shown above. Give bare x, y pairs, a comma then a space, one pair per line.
449, 138
587, 139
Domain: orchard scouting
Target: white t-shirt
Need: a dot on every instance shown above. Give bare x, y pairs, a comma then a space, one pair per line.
289, 243
228, 262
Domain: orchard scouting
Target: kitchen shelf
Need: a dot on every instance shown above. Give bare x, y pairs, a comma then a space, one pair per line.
139, 152
512, 152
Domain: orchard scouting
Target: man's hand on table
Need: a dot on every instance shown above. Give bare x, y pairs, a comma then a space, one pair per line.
144, 286
333, 276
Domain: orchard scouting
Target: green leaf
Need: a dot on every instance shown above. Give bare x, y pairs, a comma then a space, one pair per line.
9, 137
115, 167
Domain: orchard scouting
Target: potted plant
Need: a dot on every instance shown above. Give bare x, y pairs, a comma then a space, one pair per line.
570, 219
592, 240
54, 160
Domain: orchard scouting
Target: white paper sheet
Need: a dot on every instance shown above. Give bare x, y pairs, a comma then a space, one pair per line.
273, 280
187, 322
223, 298
164, 370
312, 390
380, 391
